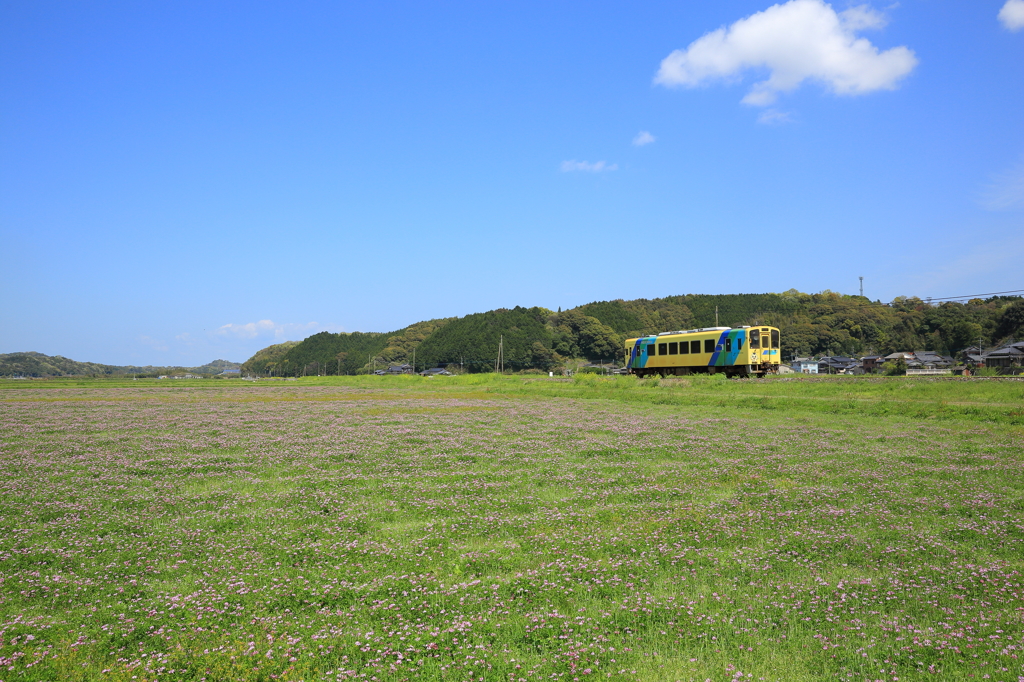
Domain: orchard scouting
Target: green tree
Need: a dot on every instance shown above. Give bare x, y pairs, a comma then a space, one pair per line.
959, 335
897, 367
544, 358
1011, 321
593, 340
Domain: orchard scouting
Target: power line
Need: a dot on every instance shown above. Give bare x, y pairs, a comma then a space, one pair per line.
927, 300
995, 293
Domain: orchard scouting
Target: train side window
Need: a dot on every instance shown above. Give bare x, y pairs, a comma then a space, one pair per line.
650, 349
684, 347
662, 349
694, 346
775, 338
728, 345
673, 348
709, 345
739, 343
755, 338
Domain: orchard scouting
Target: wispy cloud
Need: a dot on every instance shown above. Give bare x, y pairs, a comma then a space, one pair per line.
1012, 15
1005, 191
270, 329
642, 138
774, 117
595, 167
795, 41
155, 344
985, 267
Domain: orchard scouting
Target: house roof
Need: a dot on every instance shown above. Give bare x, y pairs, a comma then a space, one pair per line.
838, 362
1006, 351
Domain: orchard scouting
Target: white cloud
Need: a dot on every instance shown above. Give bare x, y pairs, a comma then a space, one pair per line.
1006, 190
774, 117
595, 167
642, 138
795, 41
155, 344
984, 267
264, 328
1012, 15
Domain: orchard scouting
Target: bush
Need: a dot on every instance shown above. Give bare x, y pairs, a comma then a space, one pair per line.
585, 379
895, 368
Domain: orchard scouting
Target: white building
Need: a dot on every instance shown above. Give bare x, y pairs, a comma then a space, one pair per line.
805, 366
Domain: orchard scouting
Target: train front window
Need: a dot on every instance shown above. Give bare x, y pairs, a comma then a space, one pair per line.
673, 348
775, 338
755, 338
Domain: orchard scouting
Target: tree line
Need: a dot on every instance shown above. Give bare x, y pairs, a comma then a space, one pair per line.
544, 340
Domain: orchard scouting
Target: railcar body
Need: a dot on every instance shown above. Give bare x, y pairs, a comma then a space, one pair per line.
745, 351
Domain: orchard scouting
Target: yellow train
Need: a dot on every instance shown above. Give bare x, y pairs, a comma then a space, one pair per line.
745, 351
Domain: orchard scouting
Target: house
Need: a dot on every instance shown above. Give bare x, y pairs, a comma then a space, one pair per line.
973, 356
231, 372
435, 371
900, 355
399, 369
805, 366
926, 359
836, 365
1007, 356
872, 363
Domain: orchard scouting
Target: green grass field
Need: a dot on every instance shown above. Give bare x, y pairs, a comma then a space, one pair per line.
512, 528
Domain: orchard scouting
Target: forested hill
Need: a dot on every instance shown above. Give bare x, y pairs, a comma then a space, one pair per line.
40, 365
541, 339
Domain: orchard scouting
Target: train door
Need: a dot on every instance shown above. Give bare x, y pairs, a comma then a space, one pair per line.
754, 344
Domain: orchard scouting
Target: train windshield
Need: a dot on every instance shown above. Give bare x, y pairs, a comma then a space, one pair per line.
755, 338
775, 338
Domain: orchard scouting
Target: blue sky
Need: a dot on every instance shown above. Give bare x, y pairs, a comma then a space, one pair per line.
186, 181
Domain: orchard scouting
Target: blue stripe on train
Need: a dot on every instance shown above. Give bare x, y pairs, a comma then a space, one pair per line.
638, 356
730, 357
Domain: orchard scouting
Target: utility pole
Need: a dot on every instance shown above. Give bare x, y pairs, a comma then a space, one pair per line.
716, 315
413, 360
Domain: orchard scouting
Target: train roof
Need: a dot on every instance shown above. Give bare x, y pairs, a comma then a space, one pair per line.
703, 330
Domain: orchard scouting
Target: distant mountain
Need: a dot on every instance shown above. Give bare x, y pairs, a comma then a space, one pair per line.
540, 339
32, 364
